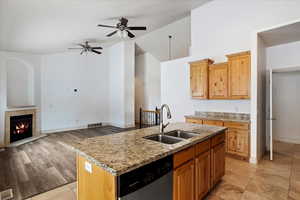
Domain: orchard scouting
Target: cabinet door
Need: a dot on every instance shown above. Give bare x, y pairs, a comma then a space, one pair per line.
218, 163
202, 168
199, 80
231, 141
183, 183
239, 76
218, 81
242, 143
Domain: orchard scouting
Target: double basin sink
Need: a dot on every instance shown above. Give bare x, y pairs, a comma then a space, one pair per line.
171, 137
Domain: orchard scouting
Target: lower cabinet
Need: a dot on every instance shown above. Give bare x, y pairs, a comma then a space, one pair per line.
183, 183
202, 168
198, 168
218, 163
238, 142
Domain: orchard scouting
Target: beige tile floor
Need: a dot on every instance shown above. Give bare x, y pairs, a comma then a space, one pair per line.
269, 180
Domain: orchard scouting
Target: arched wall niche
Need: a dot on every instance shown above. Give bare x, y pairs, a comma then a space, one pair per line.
20, 83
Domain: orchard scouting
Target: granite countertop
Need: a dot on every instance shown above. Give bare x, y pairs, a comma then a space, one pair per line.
123, 152
229, 117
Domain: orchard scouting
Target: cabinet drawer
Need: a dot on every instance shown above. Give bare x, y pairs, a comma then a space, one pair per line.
218, 139
183, 156
202, 147
194, 121
213, 122
237, 125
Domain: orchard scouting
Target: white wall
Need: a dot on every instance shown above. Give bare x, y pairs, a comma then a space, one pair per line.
258, 106
219, 28
62, 108
147, 83
121, 80
157, 42
15, 60
286, 107
175, 91
283, 56
20, 84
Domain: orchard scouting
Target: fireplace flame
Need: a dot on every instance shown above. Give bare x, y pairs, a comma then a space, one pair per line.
21, 128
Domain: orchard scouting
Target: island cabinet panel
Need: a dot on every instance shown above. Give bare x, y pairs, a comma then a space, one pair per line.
184, 182
239, 73
95, 184
218, 163
183, 156
218, 81
199, 78
202, 168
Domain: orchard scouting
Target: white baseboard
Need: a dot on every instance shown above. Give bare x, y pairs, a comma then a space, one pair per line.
288, 140
63, 129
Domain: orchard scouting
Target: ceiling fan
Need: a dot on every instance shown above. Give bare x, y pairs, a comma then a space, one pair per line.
123, 29
86, 47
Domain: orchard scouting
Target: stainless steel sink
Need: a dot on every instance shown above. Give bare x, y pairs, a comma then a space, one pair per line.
163, 139
181, 134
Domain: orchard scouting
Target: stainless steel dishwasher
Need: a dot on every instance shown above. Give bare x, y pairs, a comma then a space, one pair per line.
152, 181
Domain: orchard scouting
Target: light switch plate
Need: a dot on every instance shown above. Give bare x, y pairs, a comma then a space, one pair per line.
88, 167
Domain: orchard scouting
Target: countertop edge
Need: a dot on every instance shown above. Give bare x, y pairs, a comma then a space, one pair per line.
118, 173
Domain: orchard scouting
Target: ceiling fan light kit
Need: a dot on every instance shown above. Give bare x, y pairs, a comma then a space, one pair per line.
122, 29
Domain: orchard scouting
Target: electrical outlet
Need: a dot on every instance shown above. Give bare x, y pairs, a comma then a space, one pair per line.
88, 167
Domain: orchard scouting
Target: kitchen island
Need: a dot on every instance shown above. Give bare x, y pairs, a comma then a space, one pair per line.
101, 160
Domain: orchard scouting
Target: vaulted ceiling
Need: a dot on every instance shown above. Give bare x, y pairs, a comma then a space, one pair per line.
46, 26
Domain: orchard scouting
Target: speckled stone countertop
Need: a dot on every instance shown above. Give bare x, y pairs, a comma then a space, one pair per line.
221, 116
123, 152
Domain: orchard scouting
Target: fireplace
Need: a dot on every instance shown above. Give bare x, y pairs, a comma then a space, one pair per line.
20, 127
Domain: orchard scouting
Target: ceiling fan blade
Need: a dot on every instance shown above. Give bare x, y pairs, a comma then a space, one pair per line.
83, 46
82, 52
107, 26
137, 28
97, 48
131, 35
74, 48
111, 34
97, 52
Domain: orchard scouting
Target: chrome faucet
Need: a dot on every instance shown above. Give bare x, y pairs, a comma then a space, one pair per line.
162, 126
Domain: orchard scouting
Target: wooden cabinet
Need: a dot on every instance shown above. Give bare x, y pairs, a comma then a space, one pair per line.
183, 182
237, 139
218, 163
213, 122
88, 184
193, 121
218, 81
199, 78
195, 167
239, 73
231, 141
242, 143
230, 80
202, 168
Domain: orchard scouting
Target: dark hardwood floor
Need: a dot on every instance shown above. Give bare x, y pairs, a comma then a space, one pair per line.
44, 164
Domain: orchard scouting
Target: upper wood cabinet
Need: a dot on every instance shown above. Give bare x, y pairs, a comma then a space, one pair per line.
199, 78
239, 71
184, 182
218, 81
